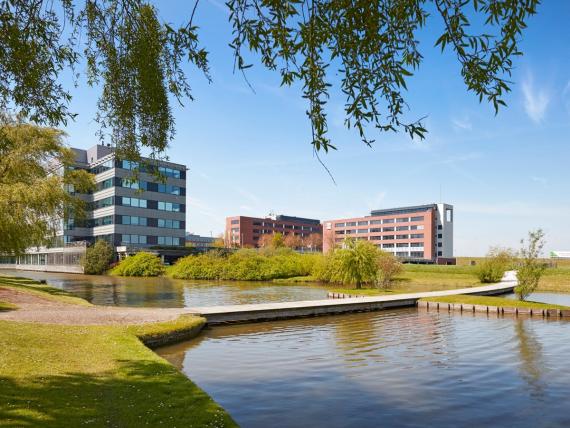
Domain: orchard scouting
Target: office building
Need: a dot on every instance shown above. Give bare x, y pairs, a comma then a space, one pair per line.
422, 233
242, 231
131, 212
200, 242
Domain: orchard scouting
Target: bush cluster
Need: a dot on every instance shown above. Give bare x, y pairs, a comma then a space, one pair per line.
140, 264
493, 268
245, 264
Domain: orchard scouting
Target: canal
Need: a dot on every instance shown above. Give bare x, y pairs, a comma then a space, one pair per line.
405, 367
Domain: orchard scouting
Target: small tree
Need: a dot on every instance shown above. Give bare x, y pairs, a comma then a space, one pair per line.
388, 267
277, 240
140, 264
531, 268
357, 262
97, 258
292, 241
313, 242
265, 241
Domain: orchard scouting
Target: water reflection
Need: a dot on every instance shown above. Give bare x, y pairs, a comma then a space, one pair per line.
530, 357
166, 292
392, 368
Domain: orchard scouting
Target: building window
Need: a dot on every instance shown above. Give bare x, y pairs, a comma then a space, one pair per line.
339, 225
402, 245
362, 231
417, 254
169, 188
402, 220
133, 239
375, 221
101, 221
387, 237
388, 220
439, 227
440, 235
417, 218
416, 236
169, 172
417, 244
255, 223
363, 223
402, 237
400, 228
439, 253
439, 244
102, 203
106, 184
235, 229
375, 229
339, 232
387, 245
376, 237
168, 224
402, 254
168, 206
388, 229
449, 215
351, 223
417, 227
237, 222
168, 240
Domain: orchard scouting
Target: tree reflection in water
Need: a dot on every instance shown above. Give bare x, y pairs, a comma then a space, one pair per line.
530, 356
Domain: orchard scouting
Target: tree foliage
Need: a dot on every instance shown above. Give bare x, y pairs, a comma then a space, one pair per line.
98, 258
138, 60
388, 267
36, 186
531, 268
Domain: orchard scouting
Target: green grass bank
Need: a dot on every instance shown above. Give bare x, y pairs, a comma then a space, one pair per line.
101, 376
493, 301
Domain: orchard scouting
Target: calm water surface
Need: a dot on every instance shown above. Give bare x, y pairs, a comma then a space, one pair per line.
172, 293
394, 368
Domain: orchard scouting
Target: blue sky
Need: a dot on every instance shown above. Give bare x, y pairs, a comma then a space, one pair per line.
250, 153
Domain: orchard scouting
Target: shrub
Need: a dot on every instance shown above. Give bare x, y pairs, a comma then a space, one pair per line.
97, 258
493, 268
141, 264
245, 264
388, 267
531, 269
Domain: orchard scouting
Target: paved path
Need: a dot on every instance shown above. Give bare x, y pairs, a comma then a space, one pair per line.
33, 308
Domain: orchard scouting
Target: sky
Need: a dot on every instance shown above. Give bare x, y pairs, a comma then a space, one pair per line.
249, 152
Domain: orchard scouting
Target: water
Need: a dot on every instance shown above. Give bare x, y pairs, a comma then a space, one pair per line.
405, 368
171, 293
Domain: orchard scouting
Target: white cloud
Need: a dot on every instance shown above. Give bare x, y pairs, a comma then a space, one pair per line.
535, 100
463, 124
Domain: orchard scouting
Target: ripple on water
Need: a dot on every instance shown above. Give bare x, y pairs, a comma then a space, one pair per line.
392, 368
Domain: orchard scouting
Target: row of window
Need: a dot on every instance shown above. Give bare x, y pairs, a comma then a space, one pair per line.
143, 240
381, 221
380, 229
135, 202
169, 189
163, 170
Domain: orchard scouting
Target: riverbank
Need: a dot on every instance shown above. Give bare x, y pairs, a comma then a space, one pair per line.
66, 374
493, 301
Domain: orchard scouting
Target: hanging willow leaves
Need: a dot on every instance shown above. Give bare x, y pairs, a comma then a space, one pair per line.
369, 49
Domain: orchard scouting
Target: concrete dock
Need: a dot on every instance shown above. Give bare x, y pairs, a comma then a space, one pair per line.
275, 311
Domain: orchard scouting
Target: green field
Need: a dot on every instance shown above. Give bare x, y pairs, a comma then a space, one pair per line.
101, 376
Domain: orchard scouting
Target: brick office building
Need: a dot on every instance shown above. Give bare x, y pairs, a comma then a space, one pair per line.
242, 231
422, 233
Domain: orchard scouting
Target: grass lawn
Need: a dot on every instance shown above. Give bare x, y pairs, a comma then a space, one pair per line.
101, 376
493, 301
555, 279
